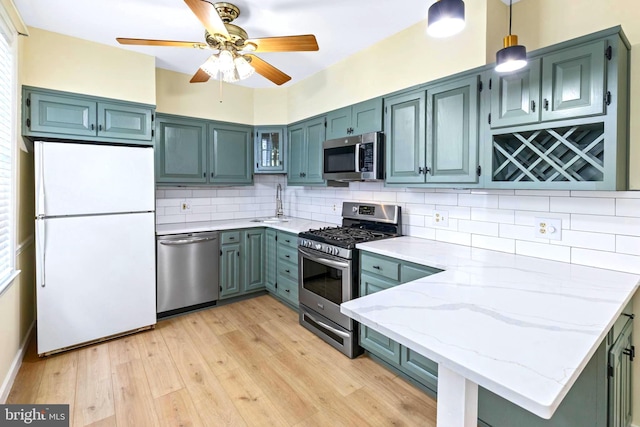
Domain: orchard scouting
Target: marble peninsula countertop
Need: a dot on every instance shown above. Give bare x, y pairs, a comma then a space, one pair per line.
521, 327
293, 225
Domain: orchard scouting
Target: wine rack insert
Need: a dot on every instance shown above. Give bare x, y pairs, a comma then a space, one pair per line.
562, 154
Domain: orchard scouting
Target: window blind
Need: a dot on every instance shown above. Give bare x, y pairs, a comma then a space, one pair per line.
7, 139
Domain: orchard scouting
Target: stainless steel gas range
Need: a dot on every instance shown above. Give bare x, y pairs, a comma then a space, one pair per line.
328, 270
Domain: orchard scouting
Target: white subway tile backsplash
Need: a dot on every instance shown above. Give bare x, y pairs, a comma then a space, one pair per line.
410, 197
492, 215
586, 240
606, 224
524, 203
628, 245
478, 227
541, 250
441, 199
600, 228
583, 205
493, 243
456, 237
478, 200
628, 207
520, 232
608, 260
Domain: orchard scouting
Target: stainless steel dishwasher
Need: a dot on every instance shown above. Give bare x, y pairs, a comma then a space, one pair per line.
187, 266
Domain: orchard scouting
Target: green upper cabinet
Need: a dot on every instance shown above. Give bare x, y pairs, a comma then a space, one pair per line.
432, 136
198, 152
565, 84
61, 115
54, 114
269, 149
305, 152
230, 154
356, 119
254, 259
452, 132
573, 82
515, 97
181, 151
404, 126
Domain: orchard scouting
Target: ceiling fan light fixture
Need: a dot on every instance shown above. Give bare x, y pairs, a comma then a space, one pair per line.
512, 56
211, 66
244, 69
230, 76
225, 59
445, 18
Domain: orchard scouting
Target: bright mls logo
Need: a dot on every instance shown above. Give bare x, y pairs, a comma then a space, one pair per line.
34, 415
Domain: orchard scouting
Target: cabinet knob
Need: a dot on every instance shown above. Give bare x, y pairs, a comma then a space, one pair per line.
100, 128
93, 127
377, 267
533, 106
546, 104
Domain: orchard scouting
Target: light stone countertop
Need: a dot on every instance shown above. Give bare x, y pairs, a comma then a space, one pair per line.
521, 327
294, 225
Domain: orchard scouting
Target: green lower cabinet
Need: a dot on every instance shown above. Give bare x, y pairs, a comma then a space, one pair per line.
380, 345
242, 262
283, 259
271, 256
229, 270
620, 359
254, 261
419, 367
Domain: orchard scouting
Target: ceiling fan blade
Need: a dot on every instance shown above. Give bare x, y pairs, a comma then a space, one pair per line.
209, 17
172, 43
268, 71
200, 77
302, 43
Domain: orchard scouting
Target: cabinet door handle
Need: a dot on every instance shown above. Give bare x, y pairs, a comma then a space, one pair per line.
546, 104
533, 106
287, 271
377, 267
287, 241
232, 238
100, 128
204, 174
287, 256
631, 352
93, 127
287, 290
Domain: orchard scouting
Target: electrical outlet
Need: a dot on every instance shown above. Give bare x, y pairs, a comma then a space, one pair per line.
185, 206
441, 218
548, 228
334, 207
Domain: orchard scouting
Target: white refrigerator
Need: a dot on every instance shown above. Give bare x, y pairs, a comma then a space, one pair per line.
95, 242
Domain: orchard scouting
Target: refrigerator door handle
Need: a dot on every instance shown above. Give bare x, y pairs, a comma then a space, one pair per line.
39, 156
40, 247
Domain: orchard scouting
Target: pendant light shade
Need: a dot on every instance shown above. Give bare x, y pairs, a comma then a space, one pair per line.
445, 18
512, 56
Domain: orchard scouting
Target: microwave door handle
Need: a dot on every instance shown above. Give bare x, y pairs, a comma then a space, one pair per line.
358, 159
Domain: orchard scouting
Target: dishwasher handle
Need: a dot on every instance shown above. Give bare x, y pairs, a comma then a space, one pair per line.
186, 241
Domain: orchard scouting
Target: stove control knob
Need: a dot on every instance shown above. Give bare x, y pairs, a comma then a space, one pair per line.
318, 246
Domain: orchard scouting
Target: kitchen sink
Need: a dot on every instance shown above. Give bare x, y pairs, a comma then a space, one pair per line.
271, 219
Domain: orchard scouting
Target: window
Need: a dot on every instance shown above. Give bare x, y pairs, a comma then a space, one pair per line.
8, 107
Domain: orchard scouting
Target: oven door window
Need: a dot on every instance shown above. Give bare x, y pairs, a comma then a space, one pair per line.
340, 159
322, 280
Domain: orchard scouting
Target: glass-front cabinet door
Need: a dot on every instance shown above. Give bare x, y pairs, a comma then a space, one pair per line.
270, 149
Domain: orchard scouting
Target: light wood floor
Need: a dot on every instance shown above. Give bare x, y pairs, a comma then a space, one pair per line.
247, 363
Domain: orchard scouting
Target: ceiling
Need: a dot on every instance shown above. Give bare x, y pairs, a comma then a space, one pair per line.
341, 27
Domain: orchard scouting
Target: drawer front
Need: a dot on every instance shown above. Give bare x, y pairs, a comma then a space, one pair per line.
288, 239
288, 254
230, 237
288, 271
421, 368
288, 289
370, 284
380, 345
381, 266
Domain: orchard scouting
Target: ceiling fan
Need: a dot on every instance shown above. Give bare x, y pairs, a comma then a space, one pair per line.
233, 58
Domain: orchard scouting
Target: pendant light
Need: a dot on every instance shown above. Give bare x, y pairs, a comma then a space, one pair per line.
445, 18
512, 56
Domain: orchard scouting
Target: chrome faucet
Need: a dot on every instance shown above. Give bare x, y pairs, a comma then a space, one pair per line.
279, 211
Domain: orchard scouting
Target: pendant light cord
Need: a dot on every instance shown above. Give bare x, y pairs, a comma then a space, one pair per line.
510, 14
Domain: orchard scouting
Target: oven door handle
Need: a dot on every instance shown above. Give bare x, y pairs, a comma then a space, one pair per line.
322, 260
329, 327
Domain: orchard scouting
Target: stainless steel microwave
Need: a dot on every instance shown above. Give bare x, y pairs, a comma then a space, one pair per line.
354, 158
